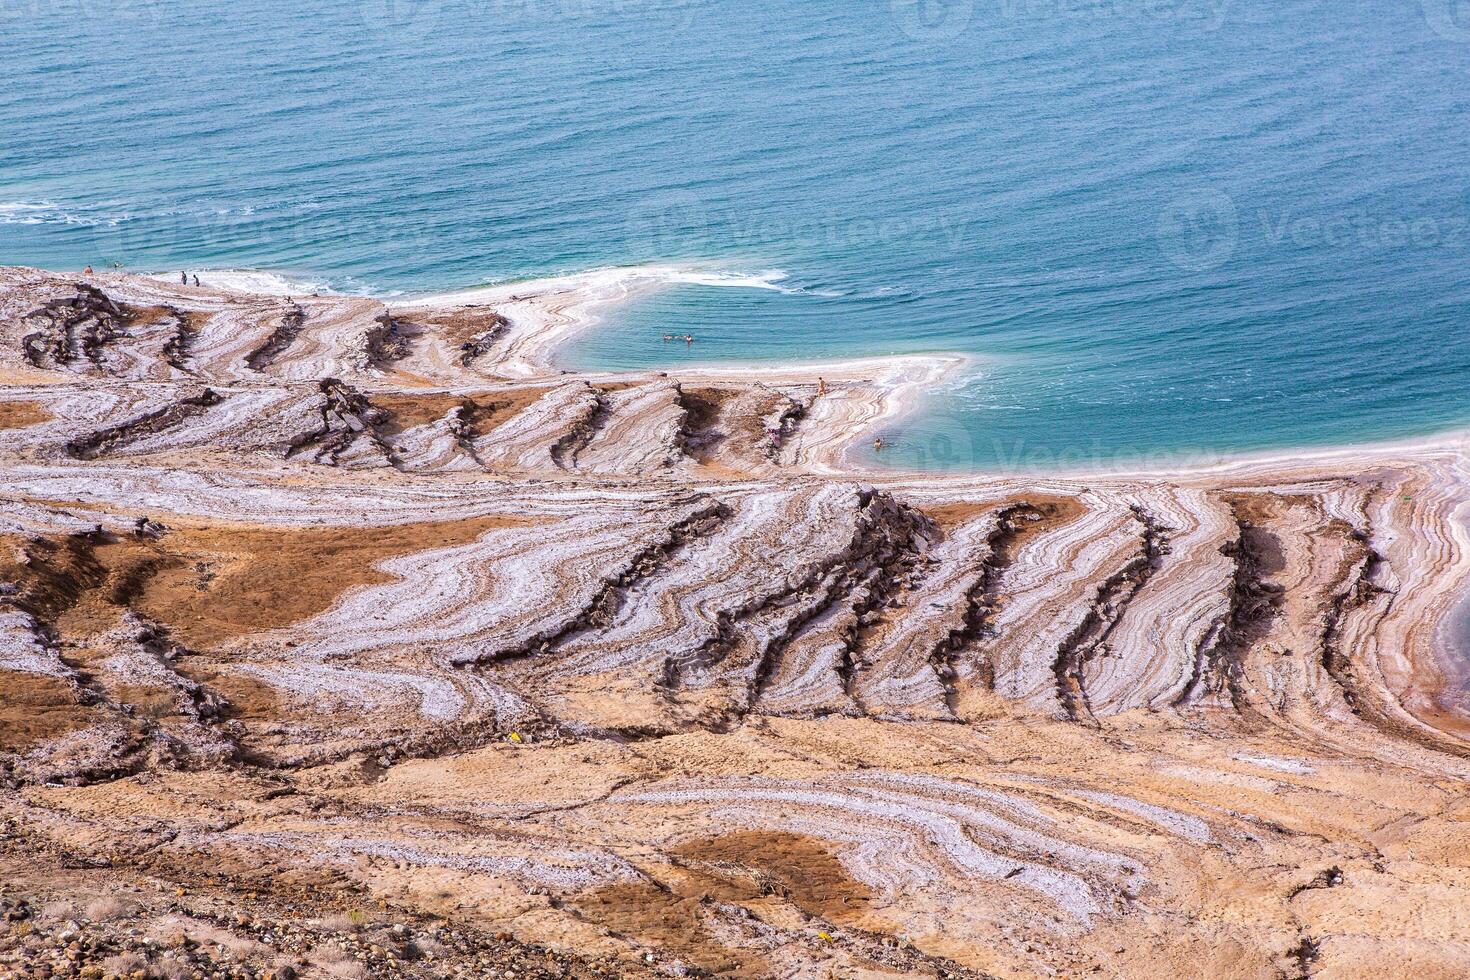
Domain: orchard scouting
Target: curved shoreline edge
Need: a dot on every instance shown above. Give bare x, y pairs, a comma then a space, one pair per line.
380, 599
548, 313
541, 316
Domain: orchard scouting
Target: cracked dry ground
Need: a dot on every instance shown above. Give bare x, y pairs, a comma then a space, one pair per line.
336, 642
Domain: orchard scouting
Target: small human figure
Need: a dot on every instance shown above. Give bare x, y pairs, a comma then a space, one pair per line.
87, 271
877, 444
821, 387
689, 340
184, 278
668, 336
196, 279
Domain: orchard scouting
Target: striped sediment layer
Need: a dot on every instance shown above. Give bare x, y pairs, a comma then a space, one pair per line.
335, 616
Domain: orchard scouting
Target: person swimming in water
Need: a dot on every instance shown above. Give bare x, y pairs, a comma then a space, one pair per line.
877, 444
688, 340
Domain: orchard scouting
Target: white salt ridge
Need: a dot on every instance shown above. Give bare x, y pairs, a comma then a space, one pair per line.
1049, 586
21, 649
1182, 824
1296, 766
897, 677
218, 494
481, 598
928, 815
1152, 652
328, 688
551, 866
674, 617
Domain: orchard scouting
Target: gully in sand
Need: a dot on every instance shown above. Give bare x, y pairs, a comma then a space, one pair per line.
430, 658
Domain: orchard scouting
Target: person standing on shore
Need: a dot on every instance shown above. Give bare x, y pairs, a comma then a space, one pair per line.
184, 278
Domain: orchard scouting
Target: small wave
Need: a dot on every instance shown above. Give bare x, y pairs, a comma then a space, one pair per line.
251, 281
874, 292
110, 213
614, 283
770, 279
49, 213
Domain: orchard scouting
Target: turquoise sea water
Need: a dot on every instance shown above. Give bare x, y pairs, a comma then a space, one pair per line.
1162, 226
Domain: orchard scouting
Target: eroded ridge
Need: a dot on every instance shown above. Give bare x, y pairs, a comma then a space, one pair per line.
344, 639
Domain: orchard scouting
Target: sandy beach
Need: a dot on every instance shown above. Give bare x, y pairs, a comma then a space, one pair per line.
350, 638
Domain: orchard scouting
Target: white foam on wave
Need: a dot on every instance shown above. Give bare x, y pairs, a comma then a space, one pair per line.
610, 284
49, 213
606, 285
255, 281
110, 213
770, 279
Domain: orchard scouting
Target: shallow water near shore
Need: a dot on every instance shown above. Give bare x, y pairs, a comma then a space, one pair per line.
1166, 230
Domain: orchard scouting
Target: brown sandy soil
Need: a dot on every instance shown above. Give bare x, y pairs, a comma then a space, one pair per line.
19, 414
429, 659
219, 583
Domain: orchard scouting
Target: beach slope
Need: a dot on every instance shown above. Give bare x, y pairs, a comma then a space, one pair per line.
348, 639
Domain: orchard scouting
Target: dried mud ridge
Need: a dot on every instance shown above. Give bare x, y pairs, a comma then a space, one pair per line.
339, 640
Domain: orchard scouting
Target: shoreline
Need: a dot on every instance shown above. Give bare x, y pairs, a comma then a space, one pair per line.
542, 316
548, 313
904, 397
380, 596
